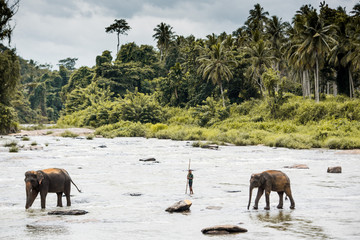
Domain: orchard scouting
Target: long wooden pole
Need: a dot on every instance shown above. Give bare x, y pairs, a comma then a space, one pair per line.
186, 177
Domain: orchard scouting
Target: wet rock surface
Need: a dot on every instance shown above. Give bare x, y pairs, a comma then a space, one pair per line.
181, 206
336, 169
69, 212
223, 229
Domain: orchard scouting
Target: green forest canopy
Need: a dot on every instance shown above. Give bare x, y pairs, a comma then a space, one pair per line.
266, 59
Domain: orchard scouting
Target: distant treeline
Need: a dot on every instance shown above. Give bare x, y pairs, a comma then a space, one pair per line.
266, 59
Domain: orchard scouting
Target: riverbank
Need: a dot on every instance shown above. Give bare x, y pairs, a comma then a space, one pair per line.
54, 132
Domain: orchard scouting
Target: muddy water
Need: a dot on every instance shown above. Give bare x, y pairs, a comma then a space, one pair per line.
126, 198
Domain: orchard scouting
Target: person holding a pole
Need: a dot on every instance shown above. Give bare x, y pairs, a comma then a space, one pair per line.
190, 178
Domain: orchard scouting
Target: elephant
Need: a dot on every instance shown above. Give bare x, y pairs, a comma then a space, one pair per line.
53, 180
271, 180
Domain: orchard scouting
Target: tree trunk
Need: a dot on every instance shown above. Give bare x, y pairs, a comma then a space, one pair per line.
351, 84
303, 84
335, 91
118, 45
222, 93
317, 98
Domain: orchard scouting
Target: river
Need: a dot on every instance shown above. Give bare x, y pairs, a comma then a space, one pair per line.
127, 198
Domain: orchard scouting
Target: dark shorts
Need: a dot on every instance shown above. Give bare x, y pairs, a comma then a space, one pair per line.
190, 183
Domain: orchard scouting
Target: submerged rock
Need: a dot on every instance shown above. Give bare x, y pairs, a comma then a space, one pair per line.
298, 166
180, 206
223, 229
336, 169
147, 160
210, 146
69, 212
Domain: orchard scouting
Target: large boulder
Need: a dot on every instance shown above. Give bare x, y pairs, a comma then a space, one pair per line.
69, 212
336, 169
223, 229
180, 206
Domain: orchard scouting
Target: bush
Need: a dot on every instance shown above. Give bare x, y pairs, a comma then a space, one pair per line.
342, 143
10, 144
69, 134
13, 149
25, 138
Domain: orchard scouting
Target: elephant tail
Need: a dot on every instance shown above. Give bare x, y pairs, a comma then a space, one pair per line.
75, 185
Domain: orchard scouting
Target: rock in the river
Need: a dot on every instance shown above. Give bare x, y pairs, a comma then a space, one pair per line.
147, 160
336, 169
223, 229
210, 146
298, 166
180, 206
69, 212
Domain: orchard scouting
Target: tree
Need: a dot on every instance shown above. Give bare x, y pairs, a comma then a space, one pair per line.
164, 35
7, 11
120, 27
260, 59
215, 66
69, 63
257, 18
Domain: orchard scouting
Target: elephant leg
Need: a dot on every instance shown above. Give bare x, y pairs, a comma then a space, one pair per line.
267, 197
43, 199
281, 203
288, 193
59, 199
67, 194
258, 196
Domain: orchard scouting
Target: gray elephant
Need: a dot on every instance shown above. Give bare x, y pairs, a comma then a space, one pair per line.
53, 180
268, 181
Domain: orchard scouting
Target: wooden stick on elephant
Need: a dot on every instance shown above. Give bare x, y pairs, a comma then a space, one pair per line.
53, 180
268, 181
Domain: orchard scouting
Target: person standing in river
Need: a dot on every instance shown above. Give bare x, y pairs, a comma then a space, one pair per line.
190, 178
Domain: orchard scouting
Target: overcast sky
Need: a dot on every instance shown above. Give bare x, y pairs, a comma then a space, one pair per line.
49, 30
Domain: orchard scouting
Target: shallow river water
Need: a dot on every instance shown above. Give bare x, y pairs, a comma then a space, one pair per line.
127, 198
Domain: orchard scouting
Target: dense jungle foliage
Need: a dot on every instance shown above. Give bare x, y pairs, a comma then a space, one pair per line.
268, 82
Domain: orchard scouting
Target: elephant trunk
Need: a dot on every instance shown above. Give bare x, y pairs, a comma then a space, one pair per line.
250, 194
31, 194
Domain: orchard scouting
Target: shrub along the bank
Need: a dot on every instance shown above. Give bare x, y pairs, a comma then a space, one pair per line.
298, 123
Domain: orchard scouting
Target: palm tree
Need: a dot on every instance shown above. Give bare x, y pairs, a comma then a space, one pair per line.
276, 30
260, 59
215, 65
257, 18
120, 27
164, 35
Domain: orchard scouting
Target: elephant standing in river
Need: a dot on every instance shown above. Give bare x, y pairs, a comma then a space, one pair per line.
270, 180
48, 180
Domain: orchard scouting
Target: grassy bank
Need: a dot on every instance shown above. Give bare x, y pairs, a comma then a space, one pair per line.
295, 123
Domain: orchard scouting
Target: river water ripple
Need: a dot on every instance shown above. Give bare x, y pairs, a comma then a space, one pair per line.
127, 198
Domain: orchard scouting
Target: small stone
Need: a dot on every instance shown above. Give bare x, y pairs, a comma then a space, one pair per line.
336, 169
223, 229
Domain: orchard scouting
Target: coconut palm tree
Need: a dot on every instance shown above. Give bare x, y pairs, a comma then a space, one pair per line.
314, 42
257, 18
215, 65
164, 35
260, 59
120, 27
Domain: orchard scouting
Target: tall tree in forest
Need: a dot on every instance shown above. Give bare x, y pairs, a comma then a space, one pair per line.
164, 35
260, 59
314, 42
9, 67
257, 18
215, 66
120, 27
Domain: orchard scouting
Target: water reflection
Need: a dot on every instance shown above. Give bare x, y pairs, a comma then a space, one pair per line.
284, 221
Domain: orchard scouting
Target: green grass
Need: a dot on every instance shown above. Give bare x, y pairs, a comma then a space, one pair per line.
11, 144
13, 149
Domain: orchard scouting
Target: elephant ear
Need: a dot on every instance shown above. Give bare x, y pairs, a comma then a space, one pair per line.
40, 176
